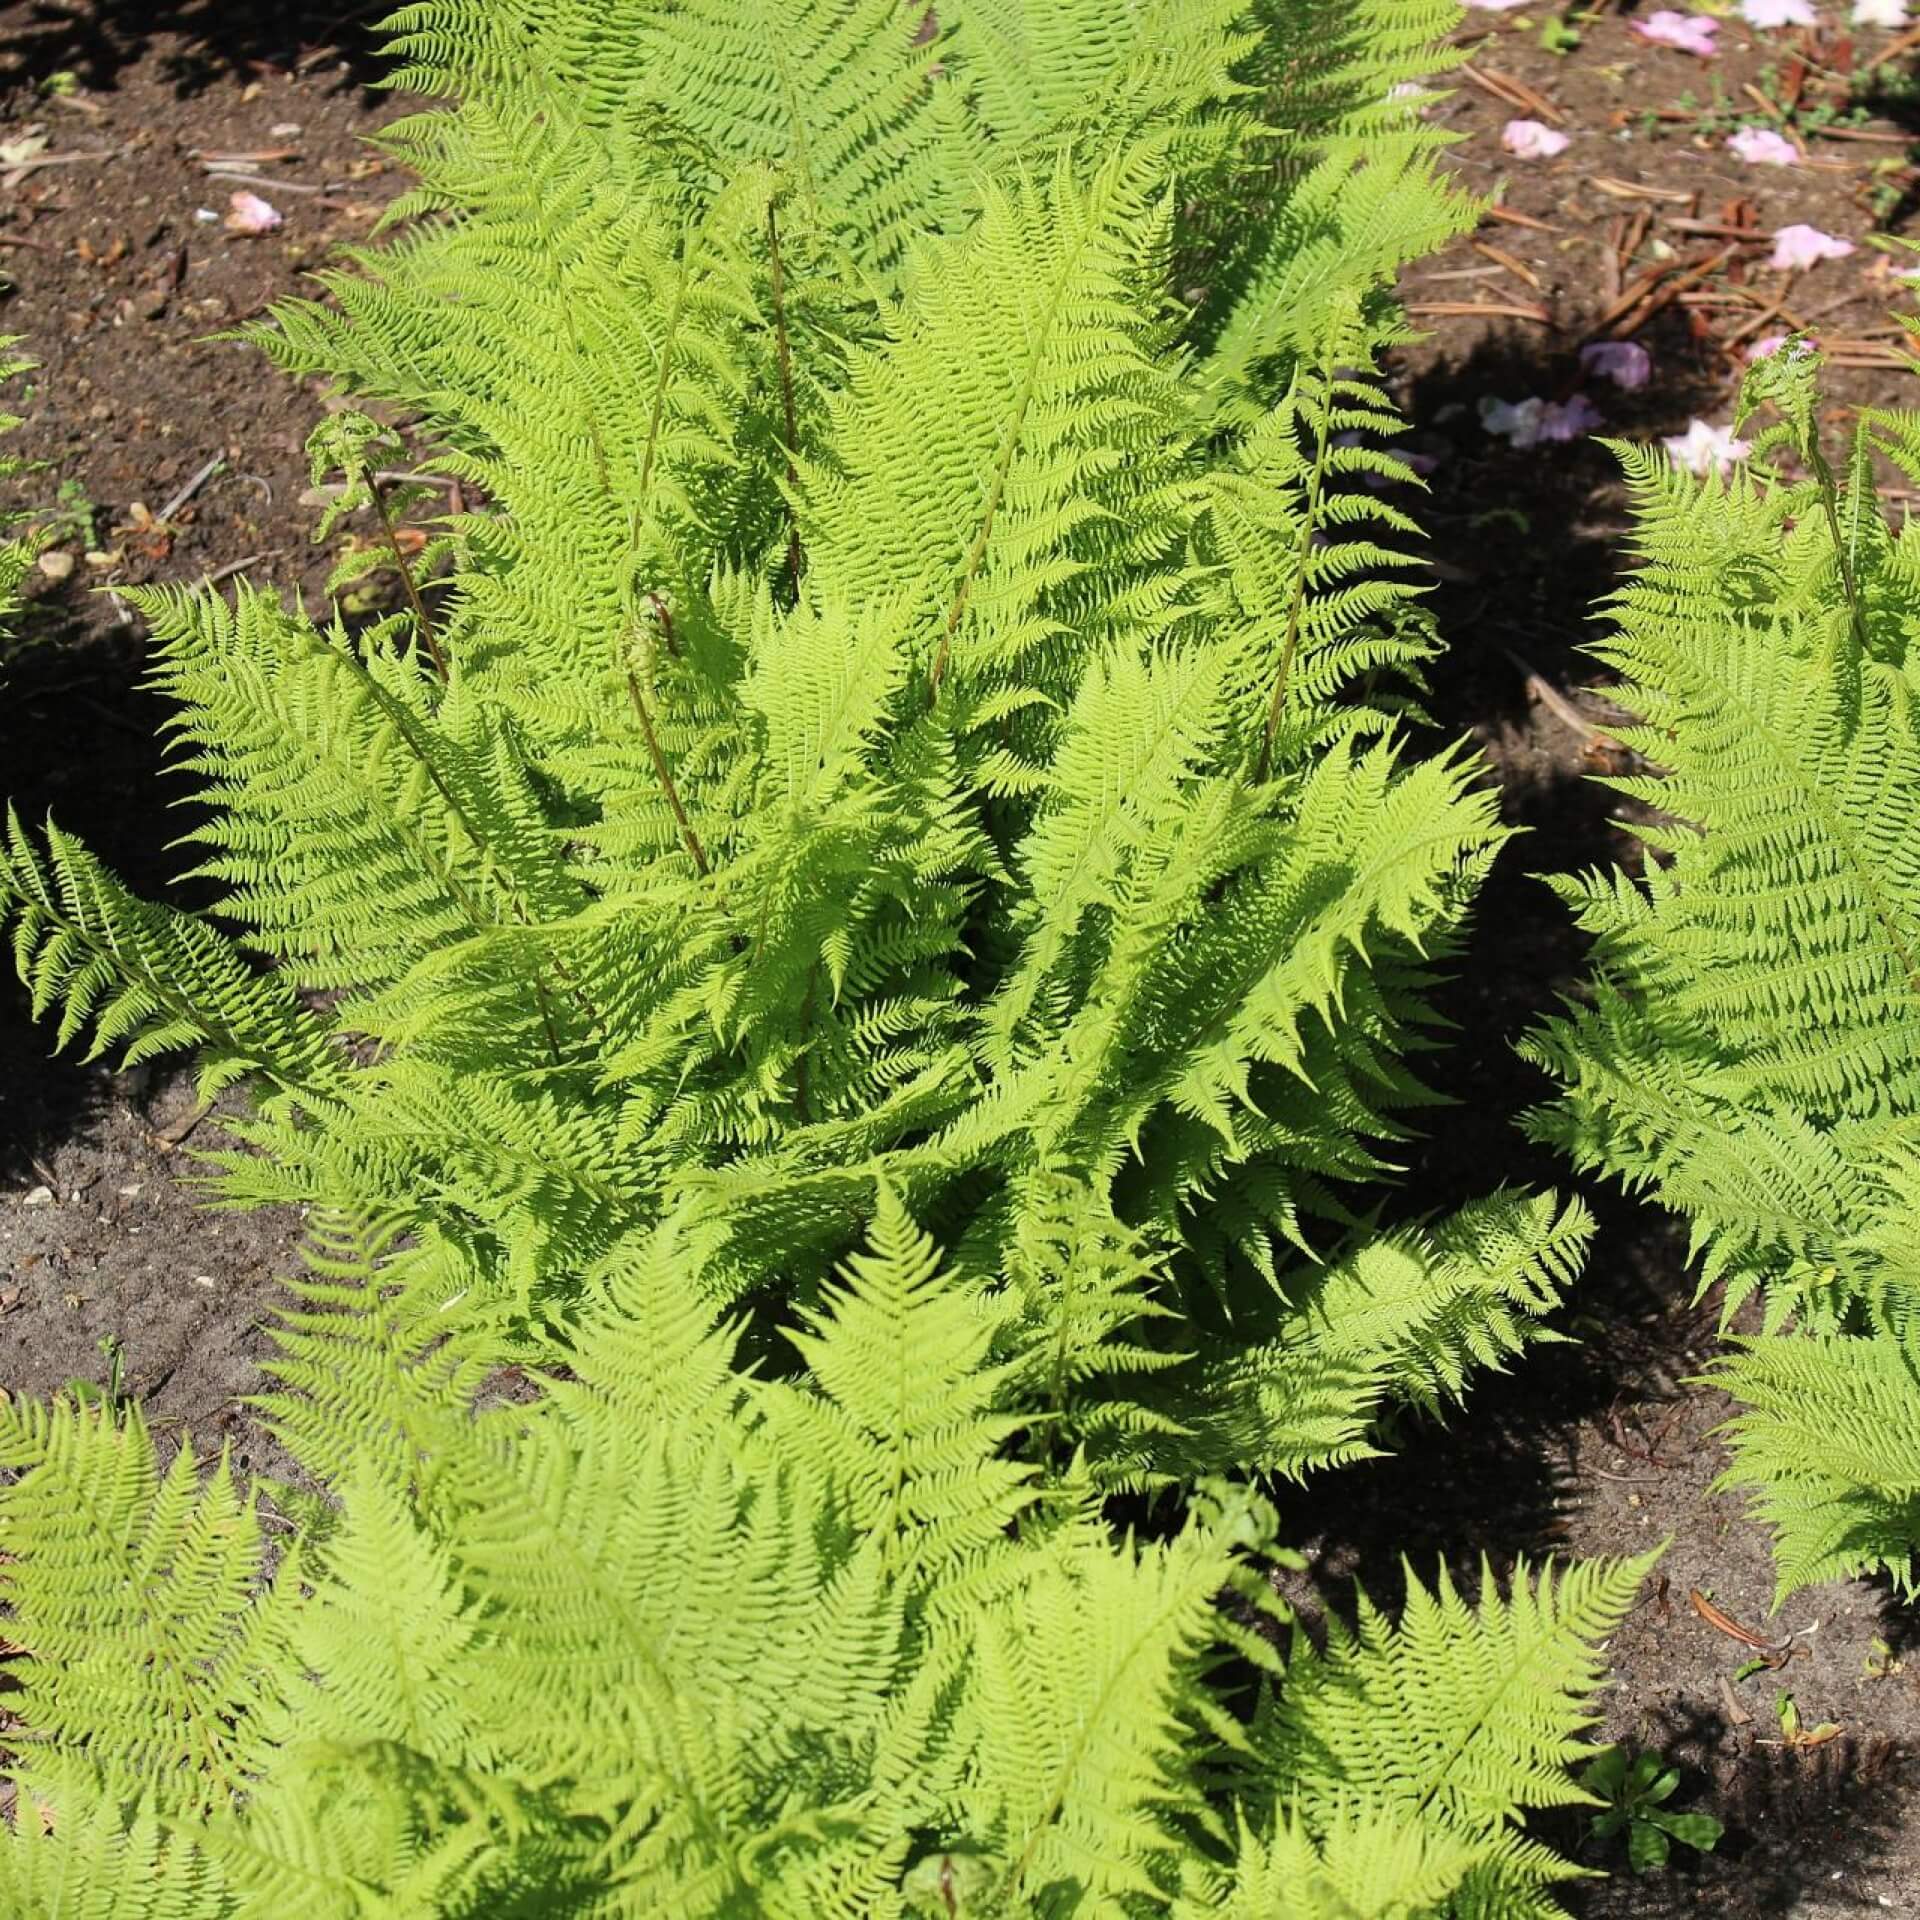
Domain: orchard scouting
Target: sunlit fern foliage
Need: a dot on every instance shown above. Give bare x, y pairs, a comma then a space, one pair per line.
919, 700
903, 719
678, 1640
1749, 1052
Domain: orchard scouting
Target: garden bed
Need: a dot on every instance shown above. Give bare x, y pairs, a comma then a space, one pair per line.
1645, 227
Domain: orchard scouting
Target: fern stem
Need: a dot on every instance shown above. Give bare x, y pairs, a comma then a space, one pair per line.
546, 1015
784, 349
688, 838
1296, 607
792, 89
422, 620
657, 413
1843, 559
978, 551
1155, 1633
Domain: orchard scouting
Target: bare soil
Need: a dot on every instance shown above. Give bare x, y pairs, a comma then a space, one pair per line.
117, 283
1602, 1446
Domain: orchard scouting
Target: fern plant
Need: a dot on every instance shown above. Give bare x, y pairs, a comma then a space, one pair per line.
680, 1639
909, 727
919, 702
1750, 1049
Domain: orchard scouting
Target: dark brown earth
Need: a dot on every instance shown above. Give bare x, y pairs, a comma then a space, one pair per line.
116, 285
1602, 1446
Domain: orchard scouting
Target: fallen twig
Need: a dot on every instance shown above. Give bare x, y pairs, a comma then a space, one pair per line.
1510, 310
1737, 1715
1540, 688
1647, 296
1719, 230
212, 162
1638, 221
192, 487
1518, 268
19, 171
234, 566
167, 1139
1776, 1653
1631, 190
261, 180
1775, 310
1875, 134
1516, 93
1507, 216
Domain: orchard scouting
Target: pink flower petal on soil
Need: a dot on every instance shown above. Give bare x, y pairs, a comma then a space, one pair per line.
1625, 362
1880, 13
1685, 32
1531, 140
1778, 13
1803, 246
1496, 6
1768, 343
1705, 449
1516, 422
1762, 147
248, 213
1527, 423
1569, 419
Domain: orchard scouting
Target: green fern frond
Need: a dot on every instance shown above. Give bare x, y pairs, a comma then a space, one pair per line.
1403, 1319
83, 1846
1750, 1049
1828, 1433
150, 980
589, 1651
993, 460
1362, 1868
105, 1550
1470, 1709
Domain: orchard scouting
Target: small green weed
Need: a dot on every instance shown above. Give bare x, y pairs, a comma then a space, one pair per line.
1637, 1788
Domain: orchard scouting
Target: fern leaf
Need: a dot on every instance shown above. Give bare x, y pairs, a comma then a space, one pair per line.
1474, 1710
1826, 1432
150, 980
111, 1552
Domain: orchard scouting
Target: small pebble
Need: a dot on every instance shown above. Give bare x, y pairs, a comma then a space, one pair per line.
39, 1197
